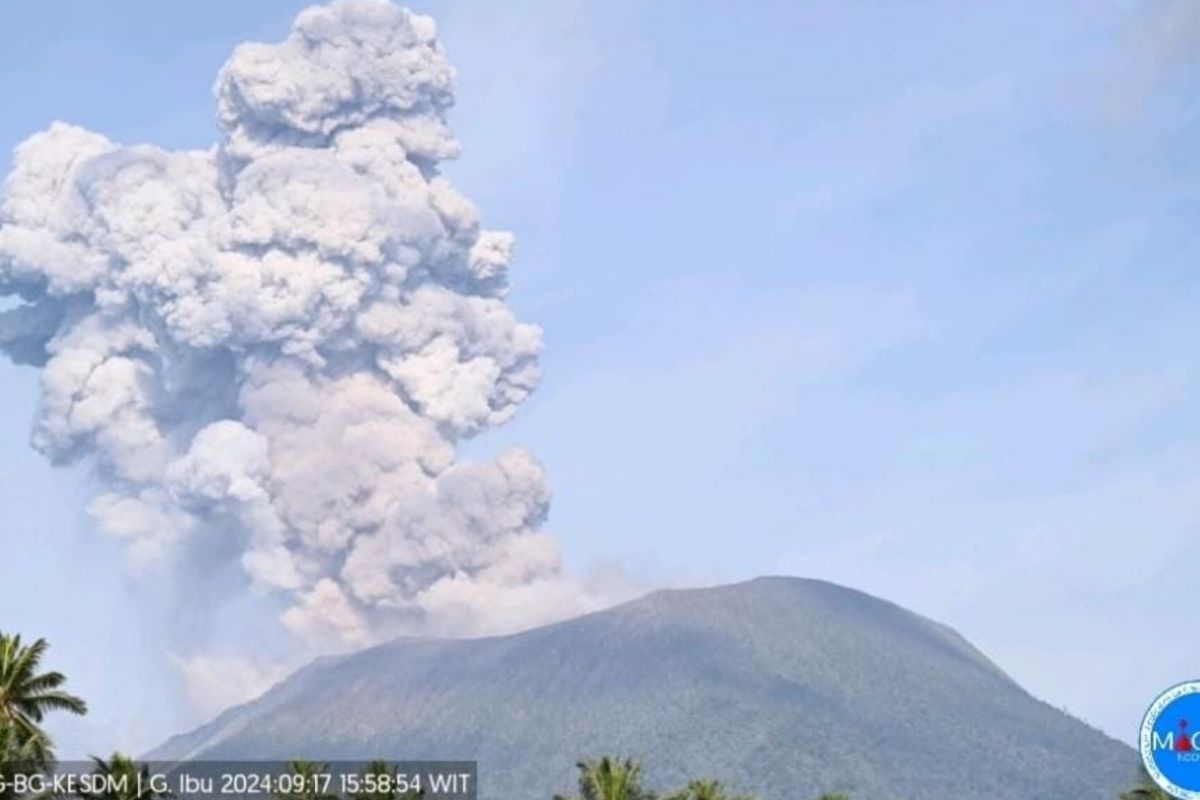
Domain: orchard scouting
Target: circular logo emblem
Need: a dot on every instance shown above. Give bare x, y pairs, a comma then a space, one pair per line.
1170, 741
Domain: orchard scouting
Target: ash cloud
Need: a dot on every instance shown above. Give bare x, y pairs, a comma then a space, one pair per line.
1161, 43
270, 350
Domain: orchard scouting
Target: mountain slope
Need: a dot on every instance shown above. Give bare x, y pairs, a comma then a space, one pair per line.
783, 686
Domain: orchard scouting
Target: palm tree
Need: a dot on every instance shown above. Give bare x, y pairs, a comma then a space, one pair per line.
123, 779
18, 757
707, 790
15, 750
26, 696
380, 786
308, 781
610, 779
1146, 789
383, 784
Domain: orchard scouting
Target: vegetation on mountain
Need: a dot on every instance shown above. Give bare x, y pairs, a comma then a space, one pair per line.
779, 687
27, 695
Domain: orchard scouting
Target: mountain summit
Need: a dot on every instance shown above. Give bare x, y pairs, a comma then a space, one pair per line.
781, 686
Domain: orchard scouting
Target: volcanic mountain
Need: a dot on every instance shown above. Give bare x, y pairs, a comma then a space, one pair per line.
780, 686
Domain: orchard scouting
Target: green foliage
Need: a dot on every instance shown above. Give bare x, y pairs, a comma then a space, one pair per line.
383, 787
18, 756
707, 790
124, 779
15, 750
379, 789
26, 696
309, 779
610, 779
1146, 789
732, 682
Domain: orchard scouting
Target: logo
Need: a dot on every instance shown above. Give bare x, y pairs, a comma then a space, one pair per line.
1170, 741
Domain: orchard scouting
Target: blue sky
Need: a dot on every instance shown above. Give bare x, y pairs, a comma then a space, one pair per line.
896, 296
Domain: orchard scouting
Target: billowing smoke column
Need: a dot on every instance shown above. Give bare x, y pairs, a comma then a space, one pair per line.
277, 343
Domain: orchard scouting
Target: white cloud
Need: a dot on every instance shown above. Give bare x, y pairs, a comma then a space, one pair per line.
214, 684
279, 342
1163, 37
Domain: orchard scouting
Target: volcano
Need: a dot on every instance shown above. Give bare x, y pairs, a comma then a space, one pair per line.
780, 686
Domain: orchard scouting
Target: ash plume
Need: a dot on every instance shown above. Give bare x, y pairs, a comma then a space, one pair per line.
269, 350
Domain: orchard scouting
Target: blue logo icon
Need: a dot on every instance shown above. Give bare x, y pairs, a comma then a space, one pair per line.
1170, 741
